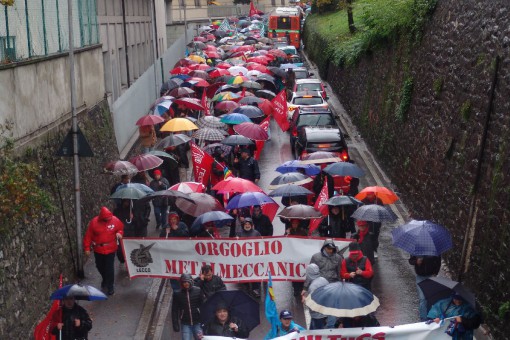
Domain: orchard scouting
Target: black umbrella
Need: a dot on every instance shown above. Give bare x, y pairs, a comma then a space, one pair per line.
265, 94
337, 201
249, 111
249, 84
300, 212
239, 304
170, 194
289, 190
277, 71
237, 140
374, 213
438, 288
289, 178
250, 100
344, 169
172, 140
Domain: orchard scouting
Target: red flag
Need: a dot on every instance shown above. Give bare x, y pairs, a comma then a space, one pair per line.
204, 103
280, 110
202, 164
43, 330
253, 10
321, 206
260, 143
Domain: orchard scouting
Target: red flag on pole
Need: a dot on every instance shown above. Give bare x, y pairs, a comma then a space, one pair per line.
253, 10
43, 330
320, 204
280, 110
202, 164
260, 143
204, 103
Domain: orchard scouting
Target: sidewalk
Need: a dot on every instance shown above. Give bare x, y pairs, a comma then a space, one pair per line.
127, 314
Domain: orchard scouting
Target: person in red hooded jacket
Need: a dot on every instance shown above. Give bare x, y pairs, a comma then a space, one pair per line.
357, 268
102, 234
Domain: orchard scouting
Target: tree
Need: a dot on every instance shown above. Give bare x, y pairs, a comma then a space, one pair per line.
350, 17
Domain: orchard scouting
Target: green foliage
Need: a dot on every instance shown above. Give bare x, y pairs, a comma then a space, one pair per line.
437, 86
503, 310
405, 99
324, 6
377, 23
21, 198
465, 110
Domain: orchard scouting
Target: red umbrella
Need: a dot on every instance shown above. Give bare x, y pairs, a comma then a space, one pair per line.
219, 72
213, 54
260, 59
210, 37
120, 168
211, 89
224, 65
210, 48
226, 105
257, 67
190, 103
184, 62
146, 161
200, 67
251, 131
278, 53
188, 187
202, 39
181, 92
180, 70
245, 48
235, 185
149, 120
203, 203
199, 82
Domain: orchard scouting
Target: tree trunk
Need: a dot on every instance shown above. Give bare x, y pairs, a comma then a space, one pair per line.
350, 17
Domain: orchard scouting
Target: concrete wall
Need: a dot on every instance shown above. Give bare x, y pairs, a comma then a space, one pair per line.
432, 152
34, 95
136, 101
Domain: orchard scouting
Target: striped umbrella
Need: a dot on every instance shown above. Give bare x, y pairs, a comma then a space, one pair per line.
209, 134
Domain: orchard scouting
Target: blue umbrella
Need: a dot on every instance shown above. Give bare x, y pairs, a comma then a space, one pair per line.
292, 166
289, 178
79, 292
139, 186
422, 238
344, 169
128, 193
162, 107
342, 299
374, 213
181, 77
249, 111
290, 190
234, 118
239, 304
219, 218
337, 201
249, 199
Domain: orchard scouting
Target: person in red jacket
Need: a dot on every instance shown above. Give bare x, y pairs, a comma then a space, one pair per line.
102, 235
357, 268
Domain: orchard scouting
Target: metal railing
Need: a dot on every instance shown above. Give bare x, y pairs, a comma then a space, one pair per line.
228, 11
33, 28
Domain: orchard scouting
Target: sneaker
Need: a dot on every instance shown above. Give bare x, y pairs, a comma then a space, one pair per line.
256, 293
375, 255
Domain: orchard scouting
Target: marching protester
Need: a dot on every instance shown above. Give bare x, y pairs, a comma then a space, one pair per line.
357, 268
124, 179
71, 321
467, 319
296, 228
160, 204
249, 231
186, 309
329, 261
174, 228
316, 280
424, 267
337, 226
374, 227
147, 136
125, 214
208, 282
262, 222
247, 166
357, 322
286, 325
365, 239
101, 236
226, 325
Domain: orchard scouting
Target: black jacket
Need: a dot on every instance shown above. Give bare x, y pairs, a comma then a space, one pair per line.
367, 246
216, 328
248, 168
336, 227
263, 224
430, 265
186, 307
181, 231
156, 185
69, 330
210, 287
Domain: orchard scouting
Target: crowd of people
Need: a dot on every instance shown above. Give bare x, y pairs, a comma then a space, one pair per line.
328, 265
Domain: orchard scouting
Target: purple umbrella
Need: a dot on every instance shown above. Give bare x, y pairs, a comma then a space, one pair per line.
249, 199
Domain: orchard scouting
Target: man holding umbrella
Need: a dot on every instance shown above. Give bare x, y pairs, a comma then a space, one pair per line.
72, 321
226, 325
247, 166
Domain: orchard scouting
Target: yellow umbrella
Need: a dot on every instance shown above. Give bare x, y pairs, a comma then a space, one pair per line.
197, 58
179, 124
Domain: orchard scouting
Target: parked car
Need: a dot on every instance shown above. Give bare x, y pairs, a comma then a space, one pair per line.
305, 98
302, 73
295, 59
309, 116
311, 84
321, 138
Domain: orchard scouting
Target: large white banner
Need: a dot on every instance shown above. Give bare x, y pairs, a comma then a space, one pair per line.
414, 331
234, 260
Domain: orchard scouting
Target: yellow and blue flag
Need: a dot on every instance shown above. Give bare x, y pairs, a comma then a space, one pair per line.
271, 311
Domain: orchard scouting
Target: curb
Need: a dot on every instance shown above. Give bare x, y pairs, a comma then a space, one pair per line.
149, 309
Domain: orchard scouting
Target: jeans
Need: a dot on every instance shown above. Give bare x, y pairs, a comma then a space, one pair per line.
190, 332
423, 302
105, 266
161, 213
318, 323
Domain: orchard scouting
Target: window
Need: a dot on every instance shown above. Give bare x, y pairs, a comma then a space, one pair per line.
283, 23
315, 120
309, 87
307, 101
7, 48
